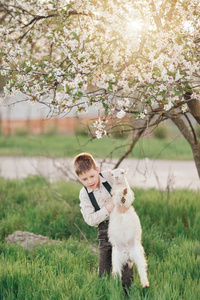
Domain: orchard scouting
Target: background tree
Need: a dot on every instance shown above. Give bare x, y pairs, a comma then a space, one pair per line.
134, 59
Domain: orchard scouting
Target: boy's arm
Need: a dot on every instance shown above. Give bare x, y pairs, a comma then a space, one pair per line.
91, 217
110, 206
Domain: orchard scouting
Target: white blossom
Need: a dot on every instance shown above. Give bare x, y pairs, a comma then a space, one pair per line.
88, 55
98, 134
100, 128
159, 98
168, 106
120, 102
178, 76
142, 115
184, 107
121, 114
126, 102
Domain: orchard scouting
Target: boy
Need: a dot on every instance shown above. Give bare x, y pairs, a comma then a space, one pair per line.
96, 205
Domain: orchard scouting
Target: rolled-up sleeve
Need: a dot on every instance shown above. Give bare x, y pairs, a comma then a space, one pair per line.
91, 217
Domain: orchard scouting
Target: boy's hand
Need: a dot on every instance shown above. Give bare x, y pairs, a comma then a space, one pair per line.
110, 206
122, 209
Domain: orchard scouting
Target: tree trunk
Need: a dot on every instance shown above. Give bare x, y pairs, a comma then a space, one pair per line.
194, 107
196, 154
188, 134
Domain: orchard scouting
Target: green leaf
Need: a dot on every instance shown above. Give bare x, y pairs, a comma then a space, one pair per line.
79, 94
106, 111
75, 35
163, 94
68, 88
21, 84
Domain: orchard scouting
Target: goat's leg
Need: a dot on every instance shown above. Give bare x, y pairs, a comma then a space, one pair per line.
116, 262
119, 258
137, 255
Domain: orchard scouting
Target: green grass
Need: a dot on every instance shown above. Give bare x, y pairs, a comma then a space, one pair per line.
171, 239
70, 145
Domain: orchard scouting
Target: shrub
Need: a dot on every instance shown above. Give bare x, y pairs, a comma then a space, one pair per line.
81, 130
160, 132
120, 131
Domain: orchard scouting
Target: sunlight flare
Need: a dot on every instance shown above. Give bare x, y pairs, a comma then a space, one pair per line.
134, 26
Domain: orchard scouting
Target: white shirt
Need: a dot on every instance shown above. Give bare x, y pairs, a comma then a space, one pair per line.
102, 197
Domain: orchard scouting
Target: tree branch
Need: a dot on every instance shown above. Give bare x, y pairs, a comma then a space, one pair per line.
194, 106
179, 122
193, 132
156, 16
137, 134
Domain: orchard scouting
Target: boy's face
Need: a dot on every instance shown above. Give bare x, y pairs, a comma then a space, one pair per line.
90, 178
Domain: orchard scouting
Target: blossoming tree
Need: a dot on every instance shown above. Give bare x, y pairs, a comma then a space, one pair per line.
133, 59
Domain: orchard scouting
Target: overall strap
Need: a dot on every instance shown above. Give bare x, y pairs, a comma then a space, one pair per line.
92, 197
106, 185
93, 200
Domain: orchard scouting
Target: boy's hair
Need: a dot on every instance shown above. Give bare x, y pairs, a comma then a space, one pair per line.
83, 162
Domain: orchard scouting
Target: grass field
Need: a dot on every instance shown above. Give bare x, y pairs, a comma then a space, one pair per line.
171, 239
70, 145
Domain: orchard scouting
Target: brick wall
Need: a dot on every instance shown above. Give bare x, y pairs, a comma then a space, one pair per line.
39, 126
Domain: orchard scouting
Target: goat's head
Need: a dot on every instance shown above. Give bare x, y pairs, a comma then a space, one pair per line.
118, 175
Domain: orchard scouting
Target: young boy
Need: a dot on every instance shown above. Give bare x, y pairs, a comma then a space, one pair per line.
96, 205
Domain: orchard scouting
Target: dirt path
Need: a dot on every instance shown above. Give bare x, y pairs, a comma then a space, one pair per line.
142, 173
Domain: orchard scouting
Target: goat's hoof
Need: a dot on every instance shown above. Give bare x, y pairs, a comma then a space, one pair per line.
123, 200
125, 191
146, 286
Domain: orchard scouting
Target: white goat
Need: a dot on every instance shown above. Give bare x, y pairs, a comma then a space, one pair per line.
125, 230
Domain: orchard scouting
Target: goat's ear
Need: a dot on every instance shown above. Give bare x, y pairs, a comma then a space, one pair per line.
110, 171
126, 170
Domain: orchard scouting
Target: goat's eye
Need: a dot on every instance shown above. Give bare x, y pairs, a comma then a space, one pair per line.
122, 173
112, 174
